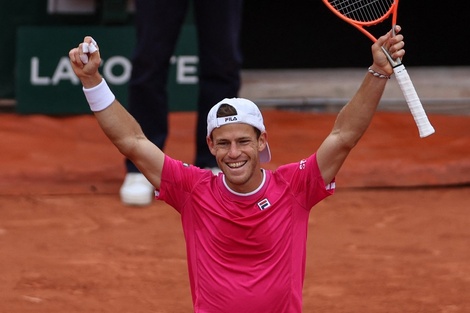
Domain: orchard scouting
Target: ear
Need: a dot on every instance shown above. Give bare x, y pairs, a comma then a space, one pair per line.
211, 145
262, 140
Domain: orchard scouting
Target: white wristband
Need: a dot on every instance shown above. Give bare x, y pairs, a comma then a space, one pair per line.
99, 97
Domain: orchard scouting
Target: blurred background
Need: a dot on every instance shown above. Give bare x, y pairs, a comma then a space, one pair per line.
283, 34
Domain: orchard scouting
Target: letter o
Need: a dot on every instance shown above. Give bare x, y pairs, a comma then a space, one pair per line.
116, 61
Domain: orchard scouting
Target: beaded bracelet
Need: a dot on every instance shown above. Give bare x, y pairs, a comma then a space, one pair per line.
377, 74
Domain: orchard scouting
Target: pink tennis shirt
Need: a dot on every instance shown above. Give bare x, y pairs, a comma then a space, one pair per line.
246, 252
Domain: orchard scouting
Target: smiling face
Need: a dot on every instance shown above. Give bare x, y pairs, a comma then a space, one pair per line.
236, 148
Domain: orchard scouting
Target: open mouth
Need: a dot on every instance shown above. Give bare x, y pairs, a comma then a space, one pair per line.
235, 165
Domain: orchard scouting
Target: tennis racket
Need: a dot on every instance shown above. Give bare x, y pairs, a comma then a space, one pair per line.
365, 13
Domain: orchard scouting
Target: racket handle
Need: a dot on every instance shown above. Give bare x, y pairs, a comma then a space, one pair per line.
424, 126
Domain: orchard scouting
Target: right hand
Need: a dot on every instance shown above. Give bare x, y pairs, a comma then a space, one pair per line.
87, 73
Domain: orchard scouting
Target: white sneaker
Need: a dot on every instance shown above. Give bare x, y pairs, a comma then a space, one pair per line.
136, 190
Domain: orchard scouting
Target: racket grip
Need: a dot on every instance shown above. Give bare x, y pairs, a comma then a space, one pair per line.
424, 126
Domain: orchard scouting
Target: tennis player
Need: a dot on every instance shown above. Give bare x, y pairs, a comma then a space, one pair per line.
246, 228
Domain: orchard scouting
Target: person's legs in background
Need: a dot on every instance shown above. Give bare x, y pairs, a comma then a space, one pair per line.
218, 26
158, 23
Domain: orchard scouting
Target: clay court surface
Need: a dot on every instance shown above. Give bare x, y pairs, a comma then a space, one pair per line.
394, 238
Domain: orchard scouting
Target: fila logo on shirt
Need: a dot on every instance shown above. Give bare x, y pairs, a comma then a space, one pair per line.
302, 164
264, 204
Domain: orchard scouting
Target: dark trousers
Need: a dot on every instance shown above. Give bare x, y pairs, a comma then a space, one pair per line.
158, 24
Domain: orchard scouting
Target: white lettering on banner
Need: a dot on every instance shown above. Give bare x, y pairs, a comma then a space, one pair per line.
64, 71
108, 70
186, 71
34, 76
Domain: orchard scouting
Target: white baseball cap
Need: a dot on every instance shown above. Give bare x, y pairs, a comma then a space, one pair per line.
247, 113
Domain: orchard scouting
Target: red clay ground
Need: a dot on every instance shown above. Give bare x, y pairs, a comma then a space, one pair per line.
394, 238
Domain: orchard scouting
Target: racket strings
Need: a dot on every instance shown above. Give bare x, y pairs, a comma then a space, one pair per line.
362, 10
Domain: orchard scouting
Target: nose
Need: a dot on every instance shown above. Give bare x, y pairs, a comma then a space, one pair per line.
234, 151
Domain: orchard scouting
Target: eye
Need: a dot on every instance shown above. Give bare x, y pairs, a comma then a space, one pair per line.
222, 144
245, 141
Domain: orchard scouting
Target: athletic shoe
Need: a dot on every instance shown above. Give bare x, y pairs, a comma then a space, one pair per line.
136, 190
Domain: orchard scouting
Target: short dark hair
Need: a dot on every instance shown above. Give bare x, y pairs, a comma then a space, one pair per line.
226, 109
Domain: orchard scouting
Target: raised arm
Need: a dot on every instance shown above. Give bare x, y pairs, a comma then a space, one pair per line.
120, 127
355, 117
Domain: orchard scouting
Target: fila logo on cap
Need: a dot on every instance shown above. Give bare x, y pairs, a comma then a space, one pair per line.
231, 119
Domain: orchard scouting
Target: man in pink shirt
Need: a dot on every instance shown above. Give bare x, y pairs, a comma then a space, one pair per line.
246, 228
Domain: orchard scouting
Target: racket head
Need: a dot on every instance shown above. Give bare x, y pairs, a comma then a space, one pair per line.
363, 13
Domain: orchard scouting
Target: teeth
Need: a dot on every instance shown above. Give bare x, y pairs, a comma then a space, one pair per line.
235, 165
